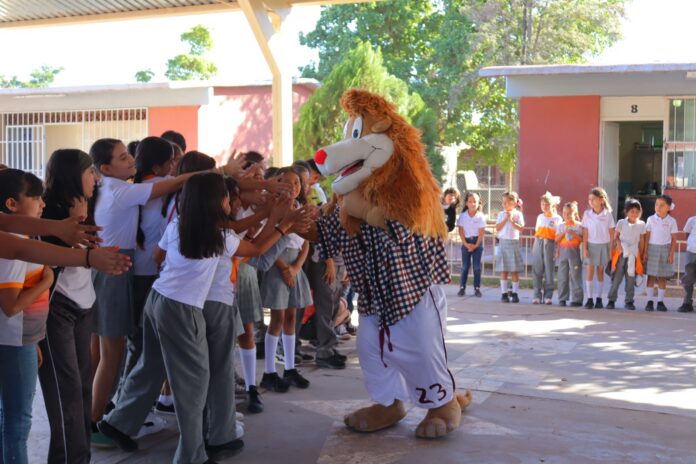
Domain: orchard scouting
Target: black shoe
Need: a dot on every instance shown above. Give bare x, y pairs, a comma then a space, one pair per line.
274, 382
477, 293
461, 292
686, 308
164, 409
225, 450
505, 298
254, 404
514, 298
295, 379
331, 362
351, 328
661, 306
611, 305
120, 439
630, 305
649, 306
562, 303
589, 304
598, 303
575, 304
306, 357
340, 356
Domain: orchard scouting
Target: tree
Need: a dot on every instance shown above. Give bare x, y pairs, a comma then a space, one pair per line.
193, 65
42, 76
145, 75
321, 118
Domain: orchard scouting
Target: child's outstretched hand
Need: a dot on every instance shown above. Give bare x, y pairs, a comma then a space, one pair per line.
109, 260
73, 233
234, 165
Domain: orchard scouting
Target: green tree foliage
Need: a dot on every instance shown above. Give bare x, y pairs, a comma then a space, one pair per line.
438, 47
42, 76
193, 65
145, 75
321, 118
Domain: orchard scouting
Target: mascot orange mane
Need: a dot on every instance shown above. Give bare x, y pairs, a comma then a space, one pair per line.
389, 228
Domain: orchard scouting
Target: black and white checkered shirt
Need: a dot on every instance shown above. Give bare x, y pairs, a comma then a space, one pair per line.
389, 269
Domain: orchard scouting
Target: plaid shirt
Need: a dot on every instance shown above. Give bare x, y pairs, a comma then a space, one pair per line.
390, 269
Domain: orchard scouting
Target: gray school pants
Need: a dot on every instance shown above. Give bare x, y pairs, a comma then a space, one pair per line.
175, 346
326, 299
570, 275
543, 266
621, 271
689, 277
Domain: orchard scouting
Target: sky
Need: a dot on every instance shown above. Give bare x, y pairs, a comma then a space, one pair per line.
111, 52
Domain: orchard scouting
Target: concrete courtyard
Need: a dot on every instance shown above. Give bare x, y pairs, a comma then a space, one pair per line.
550, 385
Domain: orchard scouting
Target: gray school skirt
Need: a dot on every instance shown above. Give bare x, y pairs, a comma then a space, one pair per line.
599, 254
114, 308
276, 295
657, 261
508, 257
248, 296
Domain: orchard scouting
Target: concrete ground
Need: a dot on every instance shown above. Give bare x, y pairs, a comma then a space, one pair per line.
550, 385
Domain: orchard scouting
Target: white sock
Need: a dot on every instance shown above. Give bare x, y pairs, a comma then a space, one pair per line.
598, 288
503, 286
248, 366
660, 295
588, 289
166, 400
289, 349
516, 287
270, 344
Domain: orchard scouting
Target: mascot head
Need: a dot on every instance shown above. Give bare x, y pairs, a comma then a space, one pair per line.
382, 157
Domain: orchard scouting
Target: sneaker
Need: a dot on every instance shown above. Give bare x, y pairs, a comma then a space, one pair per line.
548, 301
274, 382
514, 298
686, 308
224, 451
629, 305
598, 303
295, 379
115, 436
280, 357
589, 304
611, 305
340, 356
331, 362
505, 298
254, 404
575, 304
152, 425
239, 390
562, 303
342, 333
649, 306
536, 301
238, 416
661, 306
165, 409
477, 293
461, 292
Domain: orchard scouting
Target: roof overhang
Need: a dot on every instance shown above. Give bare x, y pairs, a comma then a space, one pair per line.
655, 79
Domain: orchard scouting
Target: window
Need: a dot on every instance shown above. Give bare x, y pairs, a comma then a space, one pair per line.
23, 148
680, 147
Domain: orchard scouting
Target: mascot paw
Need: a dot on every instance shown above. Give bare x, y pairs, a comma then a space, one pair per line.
375, 417
440, 421
464, 399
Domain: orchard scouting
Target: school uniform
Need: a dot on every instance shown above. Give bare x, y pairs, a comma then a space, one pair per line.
471, 225
19, 335
660, 244
508, 256
117, 212
598, 239
543, 254
248, 297
570, 263
174, 347
275, 294
690, 261
629, 236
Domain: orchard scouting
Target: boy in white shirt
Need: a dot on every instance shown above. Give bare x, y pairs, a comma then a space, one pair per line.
689, 277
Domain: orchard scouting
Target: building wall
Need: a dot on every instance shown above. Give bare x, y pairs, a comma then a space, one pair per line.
182, 119
685, 201
559, 149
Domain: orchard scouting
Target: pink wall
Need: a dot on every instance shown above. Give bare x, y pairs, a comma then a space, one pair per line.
685, 201
559, 150
182, 119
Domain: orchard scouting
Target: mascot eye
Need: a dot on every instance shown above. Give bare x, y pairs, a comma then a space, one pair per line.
357, 128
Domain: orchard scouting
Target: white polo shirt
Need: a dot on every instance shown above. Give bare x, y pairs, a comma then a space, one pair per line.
117, 211
509, 232
598, 225
222, 289
661, 229
153, 224
471, 224
182, 279
76, 283
690, 228
295, 241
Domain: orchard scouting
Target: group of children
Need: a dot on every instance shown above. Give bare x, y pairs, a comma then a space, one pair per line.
626, 251
209, 248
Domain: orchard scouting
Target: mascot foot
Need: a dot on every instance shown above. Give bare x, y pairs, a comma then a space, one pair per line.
375, 417
445, 419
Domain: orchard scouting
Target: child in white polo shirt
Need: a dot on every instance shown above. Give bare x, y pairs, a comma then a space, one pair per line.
662, 231
509, 258
690, 268
598, 230
471, 225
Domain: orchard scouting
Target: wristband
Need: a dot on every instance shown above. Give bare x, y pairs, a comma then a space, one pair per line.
88, 265
279, 230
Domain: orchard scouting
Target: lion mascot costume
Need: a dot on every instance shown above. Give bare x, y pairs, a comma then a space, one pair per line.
389, 228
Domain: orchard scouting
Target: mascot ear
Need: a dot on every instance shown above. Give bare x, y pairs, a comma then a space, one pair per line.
382, 125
